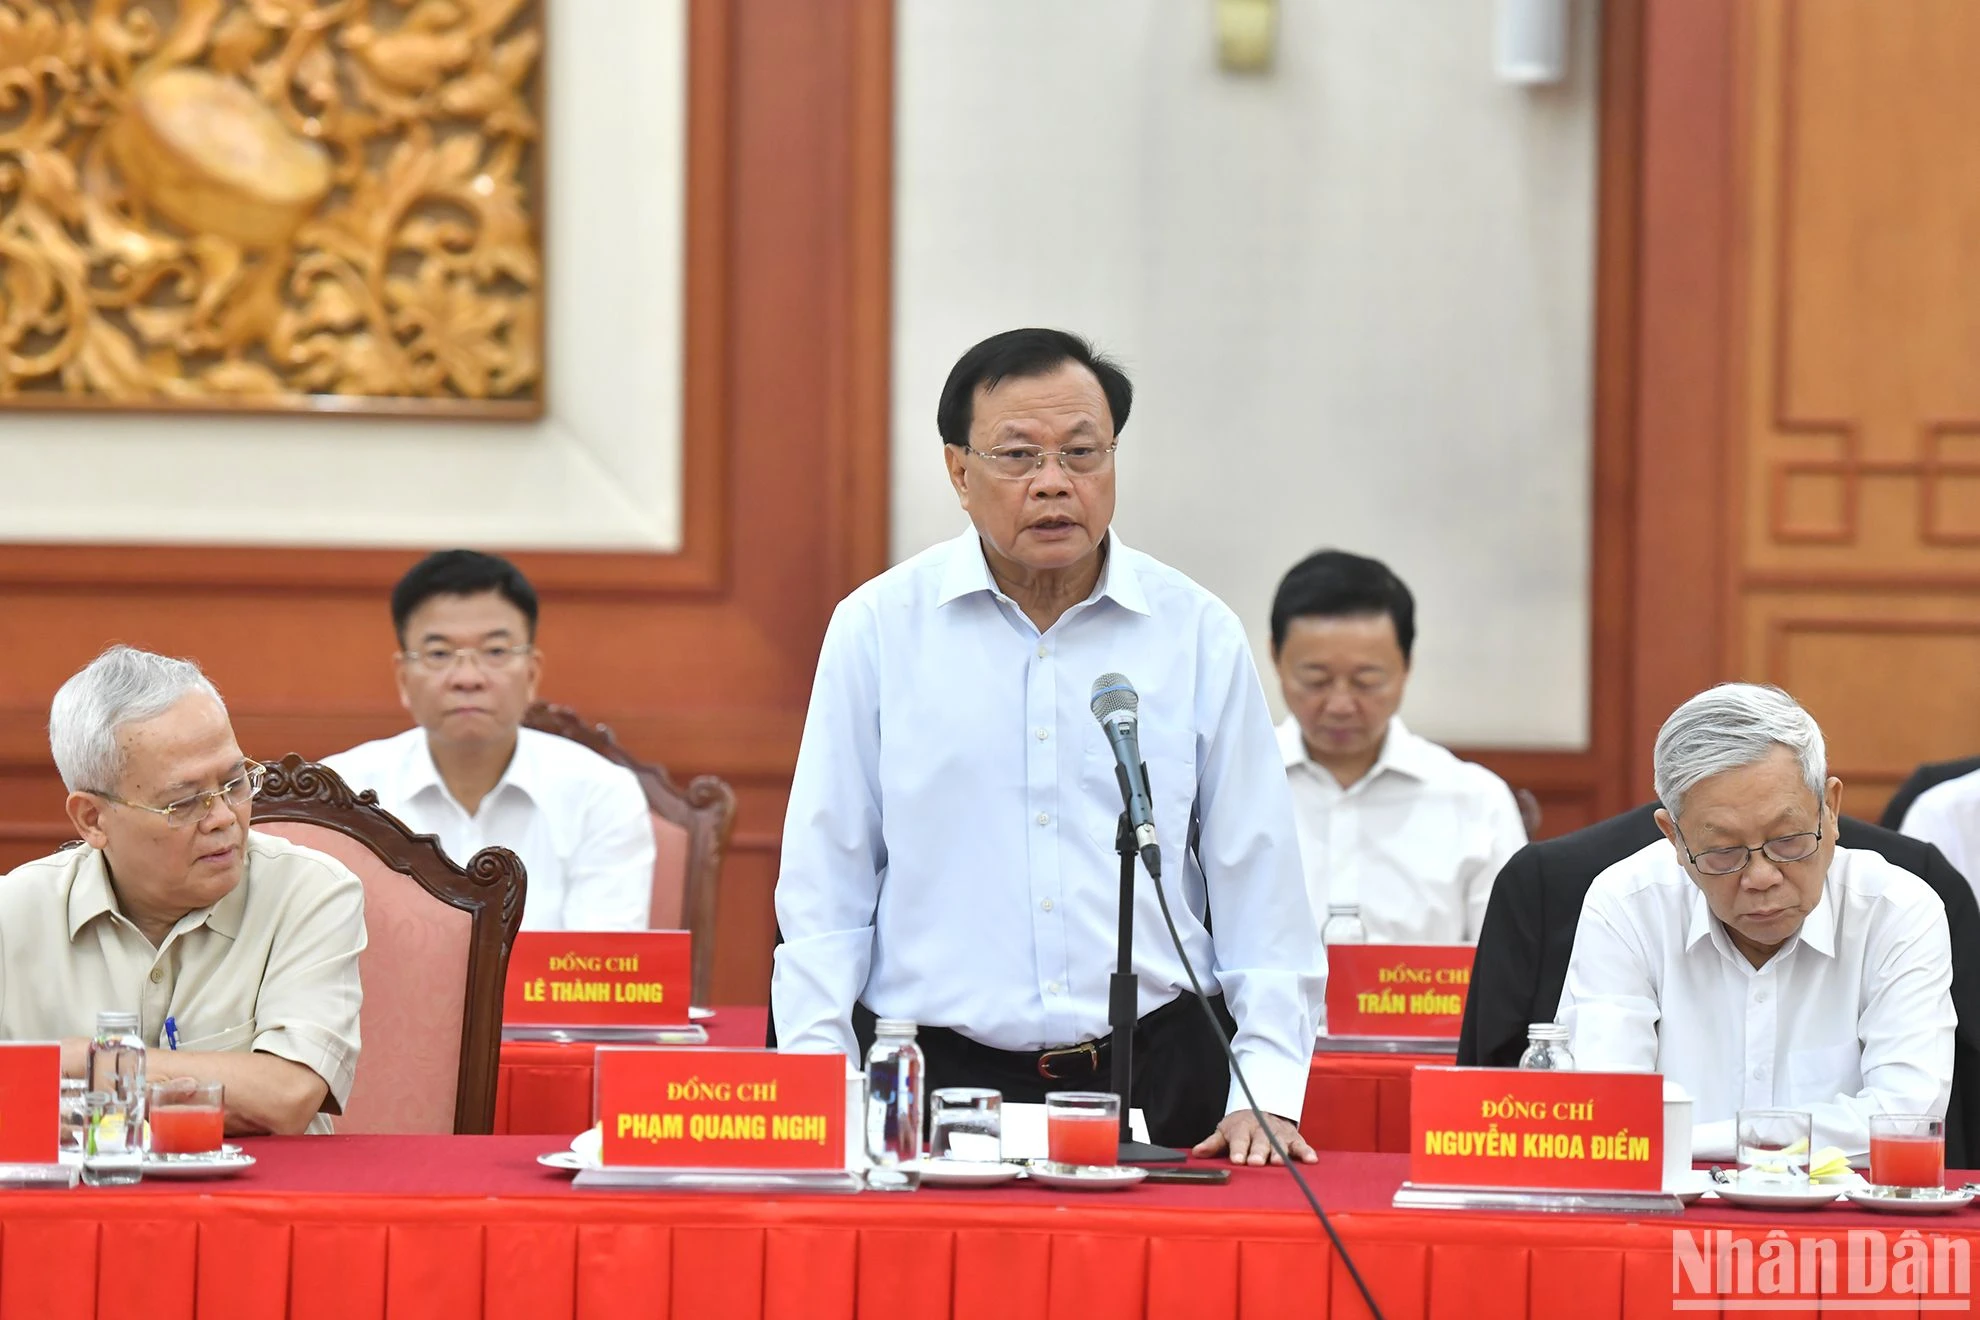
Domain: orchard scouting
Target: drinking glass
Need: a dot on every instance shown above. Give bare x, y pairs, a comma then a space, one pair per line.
1083, 1127
187, 1117
967, 1123
1774, 1146
75, 1116
1907, 1150
113, 1144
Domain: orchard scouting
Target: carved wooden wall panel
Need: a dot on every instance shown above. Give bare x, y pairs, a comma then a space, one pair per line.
242, 203
1855, 441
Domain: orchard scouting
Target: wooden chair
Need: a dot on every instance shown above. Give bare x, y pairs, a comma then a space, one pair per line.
690, 835
436, 953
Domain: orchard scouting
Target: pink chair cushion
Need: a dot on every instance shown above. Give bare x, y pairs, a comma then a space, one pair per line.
671, 847
414, 970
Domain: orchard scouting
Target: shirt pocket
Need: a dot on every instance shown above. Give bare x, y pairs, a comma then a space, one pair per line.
1821, 1074
235, 1038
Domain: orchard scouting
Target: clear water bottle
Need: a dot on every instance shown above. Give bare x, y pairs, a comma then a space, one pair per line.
1343, 925
113, 1137
1547, 1048
895, 1101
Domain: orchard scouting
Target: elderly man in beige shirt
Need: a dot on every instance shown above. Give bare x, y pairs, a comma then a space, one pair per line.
173, 909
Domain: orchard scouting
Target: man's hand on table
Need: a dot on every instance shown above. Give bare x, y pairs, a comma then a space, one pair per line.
1239, 1134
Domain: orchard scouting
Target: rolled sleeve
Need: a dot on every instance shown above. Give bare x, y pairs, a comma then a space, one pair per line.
1268, 955
310, 997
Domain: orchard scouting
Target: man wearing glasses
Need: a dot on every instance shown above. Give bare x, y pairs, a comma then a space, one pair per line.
1748, 957
949, 847
466, 668
237, 951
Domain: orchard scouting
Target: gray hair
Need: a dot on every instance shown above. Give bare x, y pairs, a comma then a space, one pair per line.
122, 686
1734, 725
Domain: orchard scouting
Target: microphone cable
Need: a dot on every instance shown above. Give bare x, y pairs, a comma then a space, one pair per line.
1271, 1138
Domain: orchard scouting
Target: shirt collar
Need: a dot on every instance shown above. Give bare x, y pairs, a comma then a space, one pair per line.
1402, 751
968, 572
420, 774
91, 897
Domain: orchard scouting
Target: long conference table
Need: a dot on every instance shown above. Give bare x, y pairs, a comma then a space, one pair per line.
1354, 1102
406, 1228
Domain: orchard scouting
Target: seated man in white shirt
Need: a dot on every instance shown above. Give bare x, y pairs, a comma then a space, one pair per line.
467, 666
1747, 957
1948, 815
1389, 823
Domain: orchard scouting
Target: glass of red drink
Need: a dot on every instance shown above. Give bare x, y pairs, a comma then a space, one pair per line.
1083, 1127
1907, 1150
186, 1117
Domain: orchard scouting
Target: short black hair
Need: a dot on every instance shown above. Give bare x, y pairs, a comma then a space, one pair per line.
1333, 584
1023, 353
461, 573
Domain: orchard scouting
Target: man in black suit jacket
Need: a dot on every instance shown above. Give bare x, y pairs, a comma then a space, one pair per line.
1528, 936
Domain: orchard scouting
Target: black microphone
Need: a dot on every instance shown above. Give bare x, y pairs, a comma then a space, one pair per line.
1114, 704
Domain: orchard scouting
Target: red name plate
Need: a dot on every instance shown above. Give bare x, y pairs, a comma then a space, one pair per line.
722, 1109
30, 1093
625, 978
1397, 989
1501, 1127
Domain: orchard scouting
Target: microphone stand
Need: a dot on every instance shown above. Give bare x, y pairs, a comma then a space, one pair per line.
1123, 1004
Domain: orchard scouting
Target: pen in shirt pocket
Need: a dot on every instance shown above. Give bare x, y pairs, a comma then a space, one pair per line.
171, 1033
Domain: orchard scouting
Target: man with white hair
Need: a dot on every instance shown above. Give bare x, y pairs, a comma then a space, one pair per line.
1749, 958
237, 951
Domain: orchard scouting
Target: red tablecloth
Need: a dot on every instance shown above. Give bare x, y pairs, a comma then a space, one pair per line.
403, 1228
1355, 1102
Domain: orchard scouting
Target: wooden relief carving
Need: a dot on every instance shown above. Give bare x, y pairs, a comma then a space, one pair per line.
325, 204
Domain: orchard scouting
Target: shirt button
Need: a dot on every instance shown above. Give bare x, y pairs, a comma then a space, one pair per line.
1044, 818
1758, 1073
1043, 734
1046, 905
157, 975
1052, 989
1043, 650
1760, 998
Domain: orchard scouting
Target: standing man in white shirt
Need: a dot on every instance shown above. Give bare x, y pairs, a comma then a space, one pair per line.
467, 667
1390, 824
1948, 815
949, 849
1747, 957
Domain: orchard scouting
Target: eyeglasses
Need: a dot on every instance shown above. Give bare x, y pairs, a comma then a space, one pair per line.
1021, 461
236, 792
440, 659
1731, 861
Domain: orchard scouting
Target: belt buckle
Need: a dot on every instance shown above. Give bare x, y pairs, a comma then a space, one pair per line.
1090, 1049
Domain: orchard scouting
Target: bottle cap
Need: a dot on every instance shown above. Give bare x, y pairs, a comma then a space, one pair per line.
894, 1027
109, 1021
1550, 1031
1343, 909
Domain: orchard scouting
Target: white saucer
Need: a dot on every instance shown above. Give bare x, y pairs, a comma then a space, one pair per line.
223, 1163
1086, 1177
569, 1161
967, 1173
1812, 1197
698, 1014
1694, 1184
1910, 1201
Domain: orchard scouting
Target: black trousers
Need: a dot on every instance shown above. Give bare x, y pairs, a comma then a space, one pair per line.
1181, 1078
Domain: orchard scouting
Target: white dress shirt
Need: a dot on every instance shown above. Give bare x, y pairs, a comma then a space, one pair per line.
1415, 843
1948, 815
949, 849
579, 823
1851, 1017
